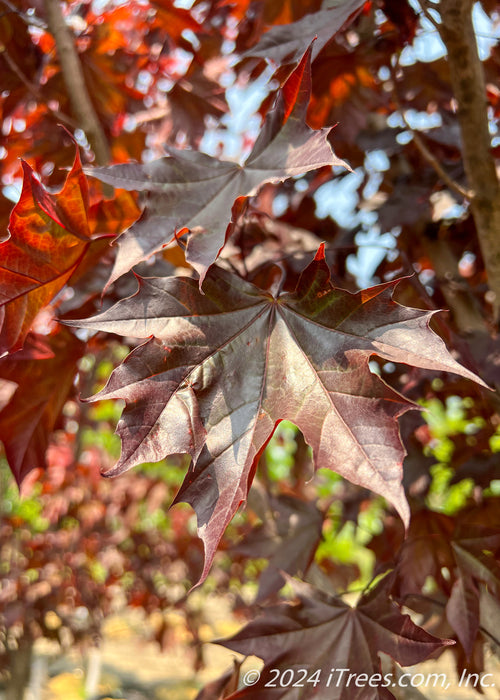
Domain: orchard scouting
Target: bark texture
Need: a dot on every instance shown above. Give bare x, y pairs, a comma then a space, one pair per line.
468, 83
74, 81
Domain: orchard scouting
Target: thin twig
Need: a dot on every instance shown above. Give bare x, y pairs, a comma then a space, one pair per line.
432, 160
60, 116
424, 7
30, 20
426, 153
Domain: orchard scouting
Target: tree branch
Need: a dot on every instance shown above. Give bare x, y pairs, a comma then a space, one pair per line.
432, 160
75, 82
468, 83
425, 152
425, 7
35, 92
30, 20
466, 313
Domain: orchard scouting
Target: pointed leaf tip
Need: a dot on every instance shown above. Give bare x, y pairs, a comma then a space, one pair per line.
284, 43
307, 633
248, 362
192, 192
297, 88
48, 238
320, 254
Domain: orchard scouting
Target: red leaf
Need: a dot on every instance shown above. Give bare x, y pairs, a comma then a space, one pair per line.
49, 235
234, 361
42, 387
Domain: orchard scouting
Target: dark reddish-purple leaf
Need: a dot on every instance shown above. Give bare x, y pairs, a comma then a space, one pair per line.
49, 235
191, 99
435, 543
222, 687
474, 557
286, 42
287, 538
489, 615
224, 367
323, 634
425, 552
189, 190
462, 612
458, 556
41, 389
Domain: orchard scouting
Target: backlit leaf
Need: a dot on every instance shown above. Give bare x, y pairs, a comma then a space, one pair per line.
49, 235
226, 366
189, 190
287, 41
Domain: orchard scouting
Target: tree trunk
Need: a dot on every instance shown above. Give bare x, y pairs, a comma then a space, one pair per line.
467, 79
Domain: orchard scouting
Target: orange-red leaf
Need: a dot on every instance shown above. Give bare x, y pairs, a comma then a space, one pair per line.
49, 235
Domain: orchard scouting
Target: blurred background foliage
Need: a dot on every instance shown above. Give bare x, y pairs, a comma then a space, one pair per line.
77, 550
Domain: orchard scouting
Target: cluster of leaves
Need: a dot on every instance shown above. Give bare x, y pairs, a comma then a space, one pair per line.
246, 309
79, 547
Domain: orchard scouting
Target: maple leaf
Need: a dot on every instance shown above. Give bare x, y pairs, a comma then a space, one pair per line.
285, 43
191, 99
49, 235
457, 556
226, 366
42, 384
323, 635
462, 612
288, 538
189, 190
435, 541
223, 686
